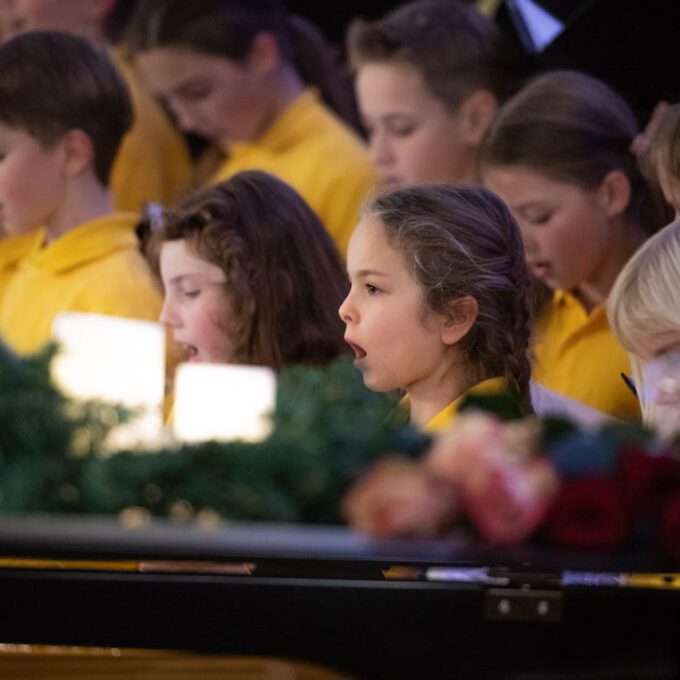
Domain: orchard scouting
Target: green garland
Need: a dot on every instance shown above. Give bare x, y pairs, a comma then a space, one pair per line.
327, 429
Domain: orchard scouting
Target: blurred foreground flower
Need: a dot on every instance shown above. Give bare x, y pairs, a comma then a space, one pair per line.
490, 467
398, 497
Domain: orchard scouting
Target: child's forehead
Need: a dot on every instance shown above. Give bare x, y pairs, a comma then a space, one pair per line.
371, 250
12, 135
177, 257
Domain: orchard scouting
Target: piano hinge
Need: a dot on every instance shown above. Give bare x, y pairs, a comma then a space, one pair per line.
524, 596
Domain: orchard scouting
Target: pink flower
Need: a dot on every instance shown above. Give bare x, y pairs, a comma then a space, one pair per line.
400, 498
505, 486
510, 501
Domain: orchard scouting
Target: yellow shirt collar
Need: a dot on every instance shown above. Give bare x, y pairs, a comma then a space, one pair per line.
286, 131
89, 241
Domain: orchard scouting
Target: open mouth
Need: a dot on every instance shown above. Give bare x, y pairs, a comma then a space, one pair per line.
359, 352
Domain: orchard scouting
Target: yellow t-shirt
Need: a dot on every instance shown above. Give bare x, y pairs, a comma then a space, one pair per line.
153, 161
96, 267
447, 415
577, 356
12, 250
319, 156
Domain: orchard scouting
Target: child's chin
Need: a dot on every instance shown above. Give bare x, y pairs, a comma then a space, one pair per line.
374, 384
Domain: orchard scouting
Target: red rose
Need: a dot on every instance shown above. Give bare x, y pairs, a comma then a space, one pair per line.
590, 512
649, 480
669, 528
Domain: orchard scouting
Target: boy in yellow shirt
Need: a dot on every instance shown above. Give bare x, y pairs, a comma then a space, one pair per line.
153, 161
64, 110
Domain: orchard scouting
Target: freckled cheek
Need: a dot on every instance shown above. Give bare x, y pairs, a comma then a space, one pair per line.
213, 336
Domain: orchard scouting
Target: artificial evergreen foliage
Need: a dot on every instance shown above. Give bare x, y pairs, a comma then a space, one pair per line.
328, 428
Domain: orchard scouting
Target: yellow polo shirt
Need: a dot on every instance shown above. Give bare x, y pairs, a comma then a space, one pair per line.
577, 355
96, 267
312, 150
153, 161
447, 415
12, 250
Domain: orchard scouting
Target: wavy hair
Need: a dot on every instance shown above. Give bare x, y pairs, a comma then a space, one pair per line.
284, 276
463, 241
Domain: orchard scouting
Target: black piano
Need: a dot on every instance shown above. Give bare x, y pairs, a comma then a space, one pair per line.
370, 609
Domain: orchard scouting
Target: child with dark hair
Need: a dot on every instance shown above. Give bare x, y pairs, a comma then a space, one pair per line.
64, 110
250, 275
439, 299
227, 69
153, 162
429, 76
559, 154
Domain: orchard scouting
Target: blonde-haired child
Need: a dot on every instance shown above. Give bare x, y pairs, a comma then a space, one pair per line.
559, 154
439, 299
644, 313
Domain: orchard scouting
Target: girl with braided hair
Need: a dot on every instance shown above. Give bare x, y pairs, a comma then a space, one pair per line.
439, 299
559, 154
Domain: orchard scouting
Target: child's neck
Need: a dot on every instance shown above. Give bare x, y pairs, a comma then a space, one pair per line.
85, 199
431, 396
282, 89
595, 291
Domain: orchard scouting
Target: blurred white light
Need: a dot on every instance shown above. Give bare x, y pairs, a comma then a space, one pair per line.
116, 360
223, 402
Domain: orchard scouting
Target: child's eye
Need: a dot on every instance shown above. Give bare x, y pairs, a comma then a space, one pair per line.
371, 289
401, 129
191, 293
542, 218
196, 92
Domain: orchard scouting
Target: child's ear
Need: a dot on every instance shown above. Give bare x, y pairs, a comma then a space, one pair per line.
476, 113
614, 193
461, 316
78, 152
264, 54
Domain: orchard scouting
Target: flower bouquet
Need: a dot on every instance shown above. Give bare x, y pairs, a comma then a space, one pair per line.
519, 479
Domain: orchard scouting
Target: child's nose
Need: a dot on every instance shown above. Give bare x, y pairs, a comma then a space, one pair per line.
381, 149
167, 315
345, 311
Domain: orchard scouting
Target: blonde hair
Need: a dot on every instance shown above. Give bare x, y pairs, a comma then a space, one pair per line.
645, 298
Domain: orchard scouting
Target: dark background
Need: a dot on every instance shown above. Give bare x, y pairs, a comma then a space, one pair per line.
632, 44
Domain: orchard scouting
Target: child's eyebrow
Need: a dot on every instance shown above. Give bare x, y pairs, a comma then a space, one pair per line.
362, 273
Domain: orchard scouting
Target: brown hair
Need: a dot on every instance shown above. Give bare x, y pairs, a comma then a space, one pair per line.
663, 154
456, 48
52, 82
463, 241
573, 128
284, 276
227, 28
